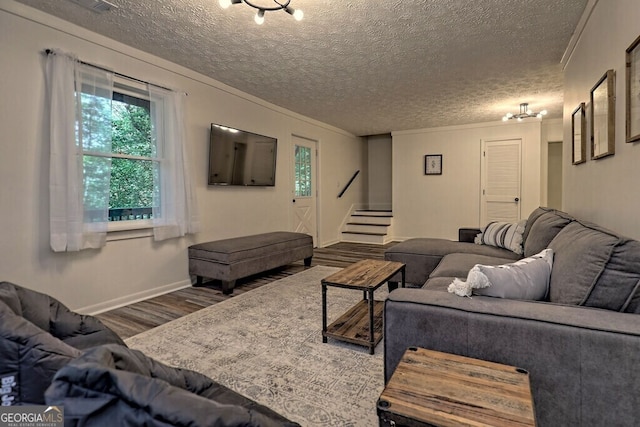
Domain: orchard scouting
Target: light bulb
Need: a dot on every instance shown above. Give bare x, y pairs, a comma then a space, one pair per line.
225, 3
543, 112
529, 111
509, 115
505, 118
259, 17
296, 13
519, 119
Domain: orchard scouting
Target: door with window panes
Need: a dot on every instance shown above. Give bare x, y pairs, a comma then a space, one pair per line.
304, 187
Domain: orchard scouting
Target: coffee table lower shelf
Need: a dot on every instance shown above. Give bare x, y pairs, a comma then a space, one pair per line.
353, 326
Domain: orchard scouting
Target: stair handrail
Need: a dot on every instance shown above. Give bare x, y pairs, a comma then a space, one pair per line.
348, 183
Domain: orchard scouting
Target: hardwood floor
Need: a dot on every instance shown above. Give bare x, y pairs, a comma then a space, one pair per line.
135, 318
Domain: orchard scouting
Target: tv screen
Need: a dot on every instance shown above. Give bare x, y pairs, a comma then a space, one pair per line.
237, 157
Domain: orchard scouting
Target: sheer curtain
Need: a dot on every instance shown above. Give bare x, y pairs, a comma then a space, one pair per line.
175, 210
80, 120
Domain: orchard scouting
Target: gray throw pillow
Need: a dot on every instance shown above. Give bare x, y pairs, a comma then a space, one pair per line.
527, 279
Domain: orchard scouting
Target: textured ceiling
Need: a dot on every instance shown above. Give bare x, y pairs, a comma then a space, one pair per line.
365, 66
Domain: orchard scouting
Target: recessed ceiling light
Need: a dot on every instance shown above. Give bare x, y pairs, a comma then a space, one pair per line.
98, 6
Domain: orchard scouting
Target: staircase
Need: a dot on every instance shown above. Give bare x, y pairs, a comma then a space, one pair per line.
368, 226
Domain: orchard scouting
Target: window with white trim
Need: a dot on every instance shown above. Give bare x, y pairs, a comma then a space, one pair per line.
133, 158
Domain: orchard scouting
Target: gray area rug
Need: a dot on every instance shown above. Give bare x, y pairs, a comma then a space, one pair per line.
267, 345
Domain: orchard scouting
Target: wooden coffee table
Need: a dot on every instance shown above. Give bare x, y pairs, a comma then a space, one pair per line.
362, 324
430, 388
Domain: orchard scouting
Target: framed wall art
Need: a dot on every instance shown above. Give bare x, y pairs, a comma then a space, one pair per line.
579, 135
603, 116
433, 164
633, 92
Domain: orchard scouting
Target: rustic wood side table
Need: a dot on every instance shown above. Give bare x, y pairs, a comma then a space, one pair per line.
430, 388
367, 276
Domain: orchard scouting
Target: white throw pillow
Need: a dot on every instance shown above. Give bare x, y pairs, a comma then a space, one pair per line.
505, 235
526, 279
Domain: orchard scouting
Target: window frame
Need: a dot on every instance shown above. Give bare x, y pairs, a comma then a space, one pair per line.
119, 228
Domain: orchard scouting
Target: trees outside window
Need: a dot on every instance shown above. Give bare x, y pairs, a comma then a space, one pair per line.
132, 157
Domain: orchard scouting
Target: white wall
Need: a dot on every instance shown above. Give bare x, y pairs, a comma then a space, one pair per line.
554, 175
380, 178
604, 191
437, 205
136, 268
551, 132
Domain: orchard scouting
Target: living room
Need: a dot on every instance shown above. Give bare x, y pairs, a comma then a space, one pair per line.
29, 260
132, 266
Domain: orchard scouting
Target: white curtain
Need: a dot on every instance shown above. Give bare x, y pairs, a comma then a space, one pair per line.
80, 118
175, 210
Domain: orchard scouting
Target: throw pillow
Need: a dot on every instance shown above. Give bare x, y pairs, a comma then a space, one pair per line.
505, 235
526, 279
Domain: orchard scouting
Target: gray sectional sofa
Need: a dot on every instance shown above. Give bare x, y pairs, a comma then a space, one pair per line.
581, 344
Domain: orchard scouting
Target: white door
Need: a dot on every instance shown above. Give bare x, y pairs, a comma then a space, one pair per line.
501, 181
304, 187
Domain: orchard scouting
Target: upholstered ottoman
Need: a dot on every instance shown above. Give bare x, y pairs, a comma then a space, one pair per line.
231, 259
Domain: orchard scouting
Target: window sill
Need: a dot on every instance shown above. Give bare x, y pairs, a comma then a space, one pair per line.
125, 230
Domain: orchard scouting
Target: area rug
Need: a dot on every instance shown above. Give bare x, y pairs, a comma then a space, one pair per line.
267, 345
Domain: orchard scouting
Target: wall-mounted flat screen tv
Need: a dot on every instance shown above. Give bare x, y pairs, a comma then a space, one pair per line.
238, 157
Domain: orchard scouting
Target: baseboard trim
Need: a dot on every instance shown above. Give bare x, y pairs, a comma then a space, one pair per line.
133, 298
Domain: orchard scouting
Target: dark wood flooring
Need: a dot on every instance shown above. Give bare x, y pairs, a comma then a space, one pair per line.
135, 318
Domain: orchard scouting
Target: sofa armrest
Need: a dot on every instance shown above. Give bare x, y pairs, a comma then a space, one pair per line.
468, 234
583, 361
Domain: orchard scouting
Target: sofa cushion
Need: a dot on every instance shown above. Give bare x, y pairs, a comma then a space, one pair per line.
441, 247
501, 234
533, 217
458, 264
438, 283
525, 279
543, 229
595, 267
422, 255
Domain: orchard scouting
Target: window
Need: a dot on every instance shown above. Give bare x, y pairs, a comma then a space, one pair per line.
302, 171
135, 163
117, 157
132, 157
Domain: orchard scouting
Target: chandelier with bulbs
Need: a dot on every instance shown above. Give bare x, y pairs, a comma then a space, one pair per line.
525, 113
261, 9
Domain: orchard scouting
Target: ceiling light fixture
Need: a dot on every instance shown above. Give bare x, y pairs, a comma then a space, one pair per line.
525, 113
259, 18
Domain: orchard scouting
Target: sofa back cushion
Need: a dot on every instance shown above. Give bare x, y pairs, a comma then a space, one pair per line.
595, 267
542, 226
533, 216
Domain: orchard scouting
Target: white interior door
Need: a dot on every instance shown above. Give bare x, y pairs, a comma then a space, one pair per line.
501, 181
304, 187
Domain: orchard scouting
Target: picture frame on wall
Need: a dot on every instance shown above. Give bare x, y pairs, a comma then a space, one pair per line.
603, 116
579, 135
433, 164
633, 91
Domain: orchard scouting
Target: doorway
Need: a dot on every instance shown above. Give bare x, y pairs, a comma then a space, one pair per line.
554, 175
305, 194
500, 181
